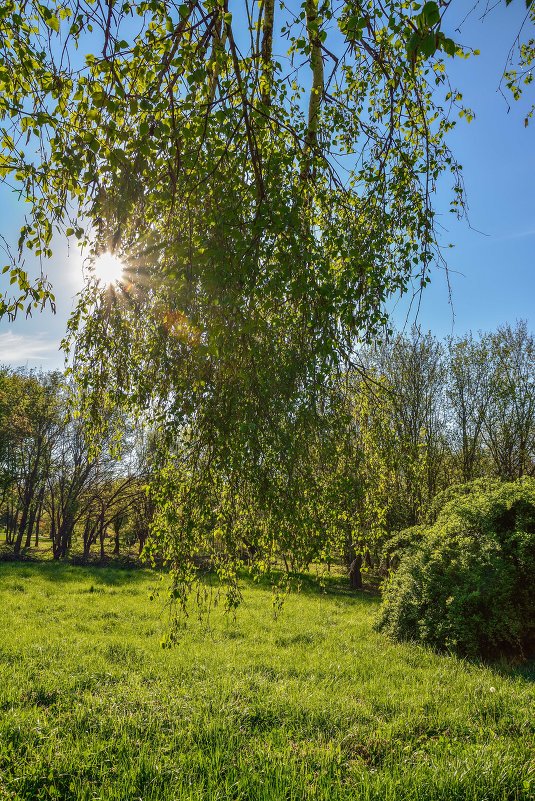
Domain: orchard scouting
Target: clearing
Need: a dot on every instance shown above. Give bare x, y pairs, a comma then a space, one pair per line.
311, 705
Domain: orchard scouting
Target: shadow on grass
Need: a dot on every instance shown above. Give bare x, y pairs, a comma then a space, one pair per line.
327, 585
67, 573
514, 669
525, 671
308, 584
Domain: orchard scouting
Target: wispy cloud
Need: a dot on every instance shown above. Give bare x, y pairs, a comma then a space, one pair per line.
18, 349
518, 235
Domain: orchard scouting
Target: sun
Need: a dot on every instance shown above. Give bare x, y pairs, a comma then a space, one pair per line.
108, 268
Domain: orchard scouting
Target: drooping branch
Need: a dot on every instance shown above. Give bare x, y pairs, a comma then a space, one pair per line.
251, 142
214, 64
176, 39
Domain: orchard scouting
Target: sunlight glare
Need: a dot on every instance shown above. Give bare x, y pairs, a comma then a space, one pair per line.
108, 268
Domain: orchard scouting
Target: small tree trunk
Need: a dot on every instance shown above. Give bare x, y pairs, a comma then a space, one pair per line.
142, 537
102, 535
87, 537
11, 524
355, 575
20, 533
29, 530
116, 532
38, 524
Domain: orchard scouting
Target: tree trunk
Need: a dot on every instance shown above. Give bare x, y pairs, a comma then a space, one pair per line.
102, 534
355, 575
38, 523
31, 523
142, 538
316, 90
88, 537
63, 539
20, 533
267, 49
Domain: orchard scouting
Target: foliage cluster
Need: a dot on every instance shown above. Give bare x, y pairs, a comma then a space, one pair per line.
519, 71
468, 586
429, 415
411, 417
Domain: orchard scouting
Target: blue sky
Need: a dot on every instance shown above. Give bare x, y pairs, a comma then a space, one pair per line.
491, 265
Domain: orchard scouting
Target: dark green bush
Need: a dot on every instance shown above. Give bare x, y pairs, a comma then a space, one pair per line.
469, 587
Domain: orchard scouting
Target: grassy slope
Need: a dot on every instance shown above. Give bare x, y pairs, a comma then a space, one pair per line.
313, 705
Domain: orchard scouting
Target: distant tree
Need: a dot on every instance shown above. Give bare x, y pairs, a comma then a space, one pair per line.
31, 416
13, 425
509, 429
140, 518
470, 398
414, 371
367, 472
108, 499
44, 416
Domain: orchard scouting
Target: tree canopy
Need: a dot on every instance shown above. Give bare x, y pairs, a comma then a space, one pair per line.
266, 172
174, 132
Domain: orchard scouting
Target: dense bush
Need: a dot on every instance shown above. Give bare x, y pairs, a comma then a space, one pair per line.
400, 543
479, 486
470, 585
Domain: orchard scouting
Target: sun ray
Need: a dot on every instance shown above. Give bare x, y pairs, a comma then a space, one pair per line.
108, 269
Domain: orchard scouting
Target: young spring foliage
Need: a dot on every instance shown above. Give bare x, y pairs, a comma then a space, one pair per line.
266, 174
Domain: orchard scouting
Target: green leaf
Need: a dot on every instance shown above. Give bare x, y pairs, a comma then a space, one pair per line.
449, 46
53, 23
431, 14
428, 44
412, 44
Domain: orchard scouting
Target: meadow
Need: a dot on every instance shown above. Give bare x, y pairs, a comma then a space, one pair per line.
311, 704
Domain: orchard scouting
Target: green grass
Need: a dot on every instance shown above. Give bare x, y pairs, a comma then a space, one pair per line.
313, 705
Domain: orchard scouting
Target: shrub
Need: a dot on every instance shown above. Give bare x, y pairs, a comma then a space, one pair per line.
479, 486
400, 543
469, 586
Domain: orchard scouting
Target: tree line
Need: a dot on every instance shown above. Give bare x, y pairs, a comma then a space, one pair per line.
54, 490
455, 411
433, 414
409, 418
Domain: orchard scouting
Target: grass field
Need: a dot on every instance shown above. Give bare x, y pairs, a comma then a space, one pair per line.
312, 705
